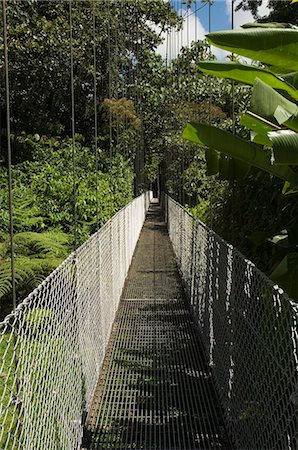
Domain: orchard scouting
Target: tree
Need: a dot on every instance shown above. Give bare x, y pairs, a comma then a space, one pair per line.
280, 11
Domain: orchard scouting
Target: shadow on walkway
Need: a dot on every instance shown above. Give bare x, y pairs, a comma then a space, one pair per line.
155, 390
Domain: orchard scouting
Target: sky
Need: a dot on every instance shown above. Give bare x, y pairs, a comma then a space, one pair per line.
196, 24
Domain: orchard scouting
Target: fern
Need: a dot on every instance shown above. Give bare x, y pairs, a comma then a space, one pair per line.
36, 255
53, 243
27, 215
29, 273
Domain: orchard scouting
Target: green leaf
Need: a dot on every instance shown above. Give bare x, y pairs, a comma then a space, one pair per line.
281, 239
268, 103
212, 158
259, 237
268, 25
285, 147
236, 147
286, 274
291, 78
289, 190
280, 270
259, 127
274, 46
232, 169
247, 74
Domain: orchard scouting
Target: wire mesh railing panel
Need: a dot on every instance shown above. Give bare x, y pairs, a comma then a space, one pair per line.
41, 363
90, 310
52, 346
249, 328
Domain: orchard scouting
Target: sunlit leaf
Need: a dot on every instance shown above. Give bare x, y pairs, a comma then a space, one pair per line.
247, 74
281, 239
268, 103
276, 46
285, 146
288, 189
259, 128
259, 237
268, 24
236, 147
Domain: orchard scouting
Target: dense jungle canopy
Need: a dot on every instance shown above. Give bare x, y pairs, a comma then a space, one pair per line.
142, 104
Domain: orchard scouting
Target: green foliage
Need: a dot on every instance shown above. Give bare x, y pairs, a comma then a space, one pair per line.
285, 11
237, 148
39, 49
272, 46
247, 74
43, 213
272, 121
49, 170
29, 271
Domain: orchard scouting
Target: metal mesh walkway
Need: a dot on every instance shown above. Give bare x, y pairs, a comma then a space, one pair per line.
155, 389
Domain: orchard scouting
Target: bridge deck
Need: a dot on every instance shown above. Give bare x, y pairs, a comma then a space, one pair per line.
155, 391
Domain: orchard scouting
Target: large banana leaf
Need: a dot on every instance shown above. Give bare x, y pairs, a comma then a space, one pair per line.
273, 46
285, 146
259, 127
232, 169
212, 158
227, 168
246, 74
268, 103
236, 147
291, 78
268, 25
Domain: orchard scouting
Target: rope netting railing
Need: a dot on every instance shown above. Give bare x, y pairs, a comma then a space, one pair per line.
249, 328
53, 345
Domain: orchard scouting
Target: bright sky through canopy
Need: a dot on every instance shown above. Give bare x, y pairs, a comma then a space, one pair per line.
196, 23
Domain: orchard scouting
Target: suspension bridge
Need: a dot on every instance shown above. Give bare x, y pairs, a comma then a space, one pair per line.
155, 333
194, 349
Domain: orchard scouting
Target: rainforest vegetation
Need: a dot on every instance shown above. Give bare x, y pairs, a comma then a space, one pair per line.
142, 105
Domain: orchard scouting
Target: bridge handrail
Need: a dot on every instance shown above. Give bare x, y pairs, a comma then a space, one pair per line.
52, 347
249, 328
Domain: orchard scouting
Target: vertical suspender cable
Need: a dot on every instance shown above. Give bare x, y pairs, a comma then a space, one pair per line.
210, 97
233, 129
95, 117
10, 195
141, 151
167, 155
73, 127
110, 78
233, 84
117, 68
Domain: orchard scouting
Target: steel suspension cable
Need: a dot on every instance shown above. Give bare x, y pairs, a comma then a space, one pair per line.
9, 158
110, 79
140, 155
195, 11
233, 129
95, 117
210, 98
10, 201
73, 126
117, 69
233, 83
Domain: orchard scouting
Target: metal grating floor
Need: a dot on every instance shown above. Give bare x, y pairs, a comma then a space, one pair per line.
155, 389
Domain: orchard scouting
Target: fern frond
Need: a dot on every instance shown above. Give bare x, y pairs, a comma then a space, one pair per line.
50, 243
29, 273
5, 278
